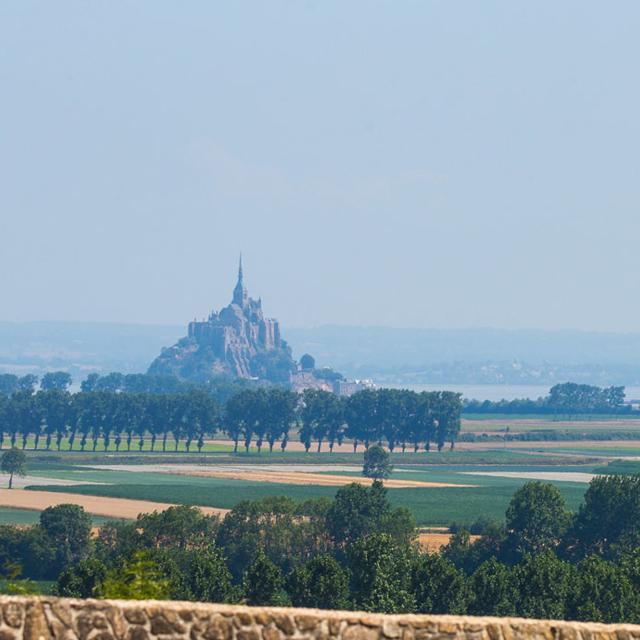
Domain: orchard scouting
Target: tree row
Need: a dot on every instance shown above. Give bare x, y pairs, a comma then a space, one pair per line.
262, 416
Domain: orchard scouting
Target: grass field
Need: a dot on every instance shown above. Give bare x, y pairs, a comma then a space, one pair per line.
624, 467
211, 446
602, 426
495, 454
9, 515
430, 506
18, 516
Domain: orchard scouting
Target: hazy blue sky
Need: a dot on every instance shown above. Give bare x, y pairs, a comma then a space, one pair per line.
433, 164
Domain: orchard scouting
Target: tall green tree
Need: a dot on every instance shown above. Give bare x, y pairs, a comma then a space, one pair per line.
607, 521
537, 518
60, 380
602, 592
68, 528
544, 584
81, 580
438, 586
492, 590
358, 511
377, 463
264, 583
380, 574
203, 576
13, 462
320, 583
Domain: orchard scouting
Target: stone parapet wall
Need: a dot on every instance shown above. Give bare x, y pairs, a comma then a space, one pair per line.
46, 618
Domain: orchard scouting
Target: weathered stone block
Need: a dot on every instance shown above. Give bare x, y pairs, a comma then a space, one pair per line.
137, 633
335, 624
248, 634
285, 623
390, 629
306, 622
13, 614
271, 633
135, 616
218, 629
360, 632
161, 626
244, 618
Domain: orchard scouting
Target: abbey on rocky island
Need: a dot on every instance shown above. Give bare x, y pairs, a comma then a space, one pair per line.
238, 341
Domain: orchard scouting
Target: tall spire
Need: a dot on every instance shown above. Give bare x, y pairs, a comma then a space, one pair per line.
240, 293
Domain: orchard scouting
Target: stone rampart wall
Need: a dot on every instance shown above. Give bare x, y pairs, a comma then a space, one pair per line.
47, 618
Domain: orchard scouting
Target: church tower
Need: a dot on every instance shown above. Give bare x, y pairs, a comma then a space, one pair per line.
240, 295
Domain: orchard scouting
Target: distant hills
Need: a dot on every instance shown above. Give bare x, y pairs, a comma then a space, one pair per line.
82, 347
473, 356
464, 356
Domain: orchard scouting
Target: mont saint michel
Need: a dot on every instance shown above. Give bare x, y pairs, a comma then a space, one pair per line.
239, 341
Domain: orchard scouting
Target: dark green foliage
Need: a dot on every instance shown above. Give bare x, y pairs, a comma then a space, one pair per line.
82, 579
27, 383
438, 586
358, 511
263, 582
376, 463
536, 519
59, 380
469, 556
288, 533
323, 419
492, 590
137, 578
380, 574
68, 527
321, 583
603, 591
8, 384
203, 576
29, 548
607, 522
544, 584
177, 527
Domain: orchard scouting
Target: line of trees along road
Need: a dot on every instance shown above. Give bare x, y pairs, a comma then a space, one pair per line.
261, 416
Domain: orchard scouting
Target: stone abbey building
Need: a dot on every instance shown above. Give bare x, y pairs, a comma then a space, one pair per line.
239, 331
238, 341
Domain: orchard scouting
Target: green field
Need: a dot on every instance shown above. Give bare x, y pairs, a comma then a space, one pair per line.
431, 506
600, 427
496, 455
10, 515
18, 516
64, 448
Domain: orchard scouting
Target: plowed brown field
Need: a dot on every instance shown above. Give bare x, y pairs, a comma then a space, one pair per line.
433, 542
97, 505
